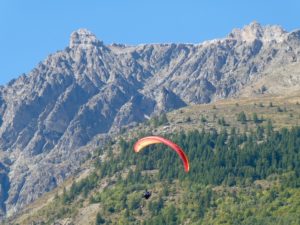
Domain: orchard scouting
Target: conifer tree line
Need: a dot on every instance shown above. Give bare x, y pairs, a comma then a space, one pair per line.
216, 158
224, 158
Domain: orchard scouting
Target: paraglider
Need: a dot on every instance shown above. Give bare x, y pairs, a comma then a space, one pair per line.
144, 142
147, 194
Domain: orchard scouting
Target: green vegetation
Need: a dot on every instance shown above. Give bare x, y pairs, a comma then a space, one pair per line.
188, 119
244, 170
158, 120
255, 118
222, 122
242, 117
235, 178
99, 219
203, 119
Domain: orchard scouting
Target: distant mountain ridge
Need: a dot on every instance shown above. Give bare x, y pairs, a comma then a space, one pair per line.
52, 117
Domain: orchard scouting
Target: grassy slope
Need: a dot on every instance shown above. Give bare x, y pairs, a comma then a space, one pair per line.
232, 204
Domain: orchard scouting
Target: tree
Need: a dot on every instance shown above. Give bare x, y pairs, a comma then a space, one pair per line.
242, 117
99, 219
134, 203
163, 119
260, 132
221, 121
279, 109
159, 120
269, 127
263, 89
203, 119
154, 121
255, 118
156, 206
214, 117
170, 215
65, 196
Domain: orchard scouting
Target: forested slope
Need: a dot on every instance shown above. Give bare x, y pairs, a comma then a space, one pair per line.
235, 177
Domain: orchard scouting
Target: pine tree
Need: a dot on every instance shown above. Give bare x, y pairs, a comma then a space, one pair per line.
255, 118
163, 119
99, 219
242, 117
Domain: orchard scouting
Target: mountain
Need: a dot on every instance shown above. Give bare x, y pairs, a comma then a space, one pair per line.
241, 171
77, 98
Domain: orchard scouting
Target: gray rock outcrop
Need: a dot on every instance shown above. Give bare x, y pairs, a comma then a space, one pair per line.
89, 89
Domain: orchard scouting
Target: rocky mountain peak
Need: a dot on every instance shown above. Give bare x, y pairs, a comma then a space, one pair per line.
51, 118
255, 31
83, 38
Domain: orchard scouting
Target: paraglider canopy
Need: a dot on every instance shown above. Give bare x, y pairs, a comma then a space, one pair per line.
143, 142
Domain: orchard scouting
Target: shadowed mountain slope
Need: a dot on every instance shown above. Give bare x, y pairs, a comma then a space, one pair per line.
52, 117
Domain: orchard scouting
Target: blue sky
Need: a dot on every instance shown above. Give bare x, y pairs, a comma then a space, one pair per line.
32, 29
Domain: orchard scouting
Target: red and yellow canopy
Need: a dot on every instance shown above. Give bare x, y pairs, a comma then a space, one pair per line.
144, 142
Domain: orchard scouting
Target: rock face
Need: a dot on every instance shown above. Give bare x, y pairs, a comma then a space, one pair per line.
90, 89
4, 187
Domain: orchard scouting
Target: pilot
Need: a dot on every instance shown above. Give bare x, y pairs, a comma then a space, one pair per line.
147, 194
